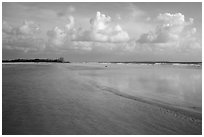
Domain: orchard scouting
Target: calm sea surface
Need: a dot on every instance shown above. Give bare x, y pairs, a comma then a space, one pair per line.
31, 92
176, 85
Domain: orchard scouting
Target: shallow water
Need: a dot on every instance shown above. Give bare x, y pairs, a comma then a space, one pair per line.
61, 99
180, 86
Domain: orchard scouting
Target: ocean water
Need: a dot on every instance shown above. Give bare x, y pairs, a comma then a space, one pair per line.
176, 85
56, 98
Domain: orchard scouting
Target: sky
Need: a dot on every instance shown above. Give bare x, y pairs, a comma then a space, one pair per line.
103, 31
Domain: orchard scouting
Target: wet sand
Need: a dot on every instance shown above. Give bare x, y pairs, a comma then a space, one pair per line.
68, 99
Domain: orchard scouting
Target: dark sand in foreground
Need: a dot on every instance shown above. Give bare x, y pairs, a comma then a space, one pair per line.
57, 99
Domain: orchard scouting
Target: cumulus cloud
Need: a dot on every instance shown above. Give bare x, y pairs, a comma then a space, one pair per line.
102, 29
24, 37
57, 36
169, 29
60, 36
70, 23
189, 41
172, 31
29, 28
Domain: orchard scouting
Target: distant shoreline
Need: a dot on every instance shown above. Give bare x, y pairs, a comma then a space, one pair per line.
176, 64
155, 62
60, 60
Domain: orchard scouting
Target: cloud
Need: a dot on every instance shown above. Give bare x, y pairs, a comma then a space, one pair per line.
189, 41
24, 44
70, 23
24, 37
6, 27
104, 47
102, 29
169, 29
172, 31
29, 28
58, 36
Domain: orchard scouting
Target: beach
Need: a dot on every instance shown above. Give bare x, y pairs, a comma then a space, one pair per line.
101, 99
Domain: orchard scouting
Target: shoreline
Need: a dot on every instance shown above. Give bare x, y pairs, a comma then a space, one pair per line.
197, 65
189, 114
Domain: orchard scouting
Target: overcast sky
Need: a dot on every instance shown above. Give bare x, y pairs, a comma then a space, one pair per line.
103, 31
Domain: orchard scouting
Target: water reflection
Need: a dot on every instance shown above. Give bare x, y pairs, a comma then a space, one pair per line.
178, 86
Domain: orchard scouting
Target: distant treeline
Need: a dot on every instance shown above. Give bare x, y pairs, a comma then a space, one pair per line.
59, 60
155, 62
